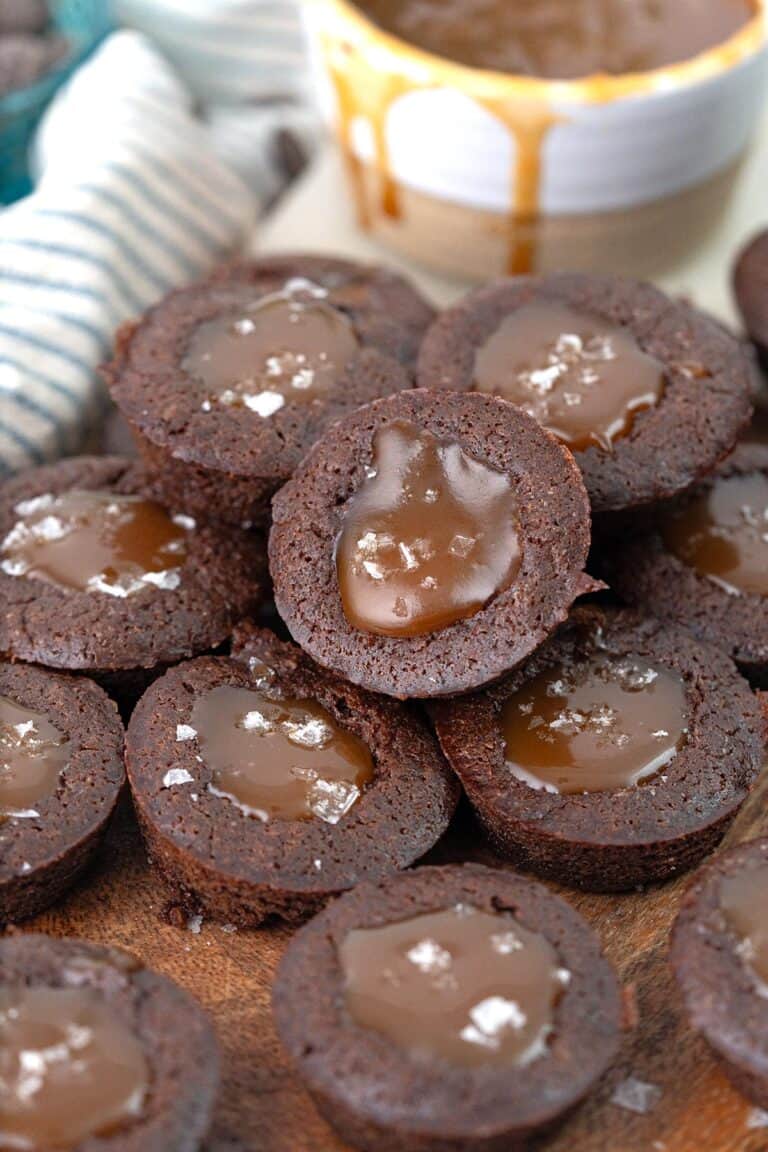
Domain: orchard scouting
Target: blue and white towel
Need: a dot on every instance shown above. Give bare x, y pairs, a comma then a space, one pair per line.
226, 51
245, 63
136, 195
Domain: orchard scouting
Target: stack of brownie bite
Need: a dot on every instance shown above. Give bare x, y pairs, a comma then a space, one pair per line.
418, 502
29, 47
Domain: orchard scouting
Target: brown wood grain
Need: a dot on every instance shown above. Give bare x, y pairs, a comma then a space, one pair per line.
264, 1109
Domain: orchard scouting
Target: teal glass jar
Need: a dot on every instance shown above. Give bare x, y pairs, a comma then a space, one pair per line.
83, 23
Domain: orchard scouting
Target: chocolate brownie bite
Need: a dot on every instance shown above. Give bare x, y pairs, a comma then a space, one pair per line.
30, 16
647, 392
263, 786
457, 1009
61, 774
756, 431
703, 563
615, 757
26, 59
719, 955
97, 577
429, 543
750, 285
228, 383
97, 1052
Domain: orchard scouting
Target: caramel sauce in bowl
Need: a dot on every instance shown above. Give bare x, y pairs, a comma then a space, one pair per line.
484, 173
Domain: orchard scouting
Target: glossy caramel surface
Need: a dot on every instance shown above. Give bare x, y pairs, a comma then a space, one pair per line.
584, 379
599, 726
96, 541
33, 754
70, 1069
429, 537
722, 533
470, 987
279, 758
288, 348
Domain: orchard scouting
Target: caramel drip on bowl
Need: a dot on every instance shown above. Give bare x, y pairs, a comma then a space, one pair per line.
529, 129
360, 94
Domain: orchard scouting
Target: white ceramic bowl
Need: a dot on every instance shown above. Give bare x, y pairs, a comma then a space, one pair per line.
482, 173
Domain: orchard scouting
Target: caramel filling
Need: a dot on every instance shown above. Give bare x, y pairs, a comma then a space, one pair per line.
97, 542
33, 754
723, 534
289, 348
470, 987
563, 39
428, 539
278, 758
600, 726
744, 900
582, 378
70, 1069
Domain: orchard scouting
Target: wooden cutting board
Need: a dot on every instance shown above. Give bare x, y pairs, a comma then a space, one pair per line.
685, 1103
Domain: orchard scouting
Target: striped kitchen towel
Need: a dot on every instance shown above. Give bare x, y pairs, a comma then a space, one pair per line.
227, 51
246, 64
132, 200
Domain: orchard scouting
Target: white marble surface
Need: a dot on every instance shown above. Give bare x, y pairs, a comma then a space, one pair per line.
317, 215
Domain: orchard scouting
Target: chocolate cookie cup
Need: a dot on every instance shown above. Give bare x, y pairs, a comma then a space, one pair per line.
61, 773
24, 16
647, 392
96, 577
719, 953
615, 757
429, 543
402, 1008
228, 383
136, 1065
263, 786
703, 561
750, 286
26, 59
